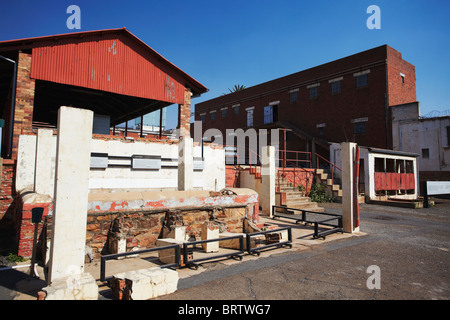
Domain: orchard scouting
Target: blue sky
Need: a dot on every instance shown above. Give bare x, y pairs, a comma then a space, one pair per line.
223, 43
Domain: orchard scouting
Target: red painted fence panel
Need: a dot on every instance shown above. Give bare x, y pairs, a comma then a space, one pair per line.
394, 181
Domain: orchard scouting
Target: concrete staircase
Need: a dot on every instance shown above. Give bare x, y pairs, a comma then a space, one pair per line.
291, 197
334, 189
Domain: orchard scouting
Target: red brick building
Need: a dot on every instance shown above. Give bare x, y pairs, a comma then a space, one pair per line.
343, 100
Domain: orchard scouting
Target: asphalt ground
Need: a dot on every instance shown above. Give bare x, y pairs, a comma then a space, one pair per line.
410, 248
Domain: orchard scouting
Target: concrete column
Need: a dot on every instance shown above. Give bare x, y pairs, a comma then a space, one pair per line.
67, 250
268, 175
44, 173
185, 163
347, 158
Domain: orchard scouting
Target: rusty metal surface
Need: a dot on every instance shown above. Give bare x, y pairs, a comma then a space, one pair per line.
110, 63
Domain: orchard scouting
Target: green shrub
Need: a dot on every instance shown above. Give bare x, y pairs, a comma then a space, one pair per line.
12, 257
319, 193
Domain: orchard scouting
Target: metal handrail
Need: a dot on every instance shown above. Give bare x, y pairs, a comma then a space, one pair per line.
104, 258
296, 166
288, 242
186, 245
332, 165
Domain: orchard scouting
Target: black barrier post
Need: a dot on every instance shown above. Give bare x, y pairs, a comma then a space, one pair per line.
426, 203
36, 217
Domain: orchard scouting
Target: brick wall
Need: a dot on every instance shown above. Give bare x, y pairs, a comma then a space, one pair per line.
24, 227
335, 110
184, 114
232, 177
7, 191
142, 228
23, 115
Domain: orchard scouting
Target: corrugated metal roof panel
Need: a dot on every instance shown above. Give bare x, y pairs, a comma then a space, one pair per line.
111, 63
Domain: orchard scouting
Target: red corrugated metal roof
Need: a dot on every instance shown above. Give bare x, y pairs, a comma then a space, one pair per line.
110, 60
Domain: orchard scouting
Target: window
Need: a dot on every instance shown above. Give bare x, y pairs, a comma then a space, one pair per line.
236, 110
321, 128
213, 115
426, 153
250, 116
293, 96
362, 78
313, 92
361, 81
336, 87
223, 111
203, 117
448, 136
402, 77
359, 127
270, 114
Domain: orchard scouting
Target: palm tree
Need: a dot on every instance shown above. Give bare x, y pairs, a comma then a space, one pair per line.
236, 88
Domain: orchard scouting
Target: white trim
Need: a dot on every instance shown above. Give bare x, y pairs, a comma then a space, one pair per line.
203, 114
293, 90
402, 75
212, 111
235, 106
320, 125
356, 74
225, 108
313, 85
365, 119
274, 103
248, 109
335, 79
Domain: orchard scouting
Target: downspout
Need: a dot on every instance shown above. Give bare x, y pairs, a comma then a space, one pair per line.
386, 103
13, 105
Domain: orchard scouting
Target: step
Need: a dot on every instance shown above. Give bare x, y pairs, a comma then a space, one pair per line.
296, 196
312, 207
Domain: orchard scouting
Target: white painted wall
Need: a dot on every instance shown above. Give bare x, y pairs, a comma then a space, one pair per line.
413, 136
212, 177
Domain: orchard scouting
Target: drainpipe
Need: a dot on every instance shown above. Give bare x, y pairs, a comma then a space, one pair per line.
386, 108
13, 104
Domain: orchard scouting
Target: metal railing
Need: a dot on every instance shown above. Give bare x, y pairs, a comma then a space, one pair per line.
237, 253
104, 258
332, 165
258, 249
303, 217
290, 164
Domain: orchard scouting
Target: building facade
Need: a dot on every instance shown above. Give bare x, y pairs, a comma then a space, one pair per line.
343, 100
429, 138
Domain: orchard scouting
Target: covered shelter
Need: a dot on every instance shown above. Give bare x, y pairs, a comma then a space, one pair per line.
111, 72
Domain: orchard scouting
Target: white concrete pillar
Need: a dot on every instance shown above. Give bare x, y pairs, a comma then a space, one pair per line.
67, 250
347, 158
45, 150
185, 163
268, 175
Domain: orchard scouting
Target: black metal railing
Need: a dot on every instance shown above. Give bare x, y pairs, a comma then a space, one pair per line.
303, 217
237, 253
104, 258
259, 248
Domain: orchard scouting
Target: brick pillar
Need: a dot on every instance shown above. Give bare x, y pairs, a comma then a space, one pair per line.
23, 113
184, 115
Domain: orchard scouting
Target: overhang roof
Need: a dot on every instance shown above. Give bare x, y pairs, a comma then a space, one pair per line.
77, 37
